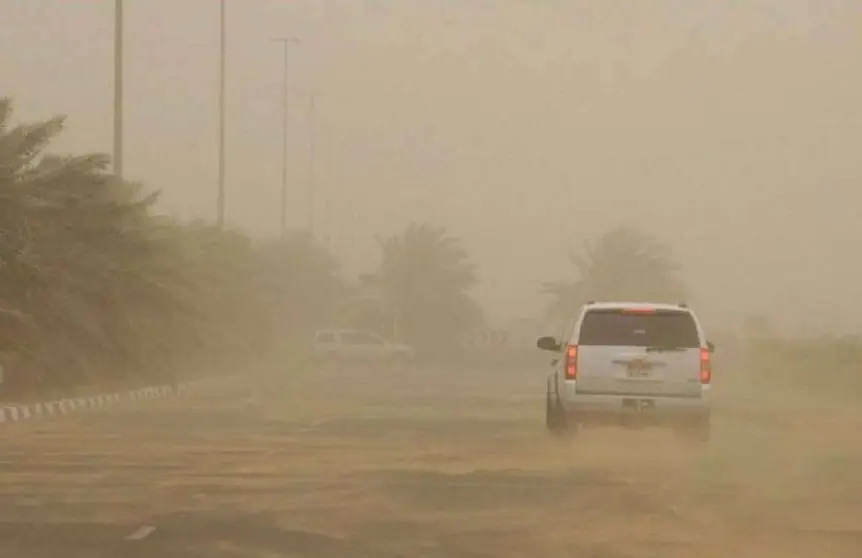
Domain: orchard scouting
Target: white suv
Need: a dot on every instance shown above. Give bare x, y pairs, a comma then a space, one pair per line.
632, 364
359, 347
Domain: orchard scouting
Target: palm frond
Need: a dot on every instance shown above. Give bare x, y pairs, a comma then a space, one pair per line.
20, 146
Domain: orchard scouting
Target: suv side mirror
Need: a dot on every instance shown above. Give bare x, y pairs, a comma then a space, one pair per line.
710, 347
548, 343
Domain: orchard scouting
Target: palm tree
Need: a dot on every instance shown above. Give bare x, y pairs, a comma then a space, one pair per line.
94, 287
622, 264
83, 261
424, 278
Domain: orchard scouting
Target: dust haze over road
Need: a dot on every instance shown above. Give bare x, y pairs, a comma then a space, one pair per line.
468, 171
434, 462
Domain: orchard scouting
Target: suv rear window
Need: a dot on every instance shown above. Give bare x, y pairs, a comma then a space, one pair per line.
618, 328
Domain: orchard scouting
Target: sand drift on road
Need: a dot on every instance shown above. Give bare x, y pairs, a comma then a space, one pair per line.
437, 463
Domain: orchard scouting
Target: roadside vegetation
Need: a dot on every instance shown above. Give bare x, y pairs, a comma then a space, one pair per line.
97, 289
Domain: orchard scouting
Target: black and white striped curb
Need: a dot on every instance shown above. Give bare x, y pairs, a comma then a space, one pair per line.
47, 409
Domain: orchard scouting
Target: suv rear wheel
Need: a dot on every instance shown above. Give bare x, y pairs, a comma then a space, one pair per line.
556, 420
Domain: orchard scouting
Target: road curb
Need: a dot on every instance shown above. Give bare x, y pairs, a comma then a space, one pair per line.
47, 409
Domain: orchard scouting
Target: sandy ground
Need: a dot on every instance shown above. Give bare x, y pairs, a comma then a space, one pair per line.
429, 463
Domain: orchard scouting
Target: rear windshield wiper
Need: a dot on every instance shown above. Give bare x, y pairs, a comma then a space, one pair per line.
661, 349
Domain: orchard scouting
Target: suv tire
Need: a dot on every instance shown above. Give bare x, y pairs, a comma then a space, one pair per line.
556, 420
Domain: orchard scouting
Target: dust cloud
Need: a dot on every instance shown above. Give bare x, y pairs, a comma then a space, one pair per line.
523, 127
464, 176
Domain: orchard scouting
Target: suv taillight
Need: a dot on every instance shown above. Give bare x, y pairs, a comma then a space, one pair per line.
571, 362
705, 367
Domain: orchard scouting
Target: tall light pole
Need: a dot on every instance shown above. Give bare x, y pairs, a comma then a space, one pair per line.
221, 109
286, 44
118, 88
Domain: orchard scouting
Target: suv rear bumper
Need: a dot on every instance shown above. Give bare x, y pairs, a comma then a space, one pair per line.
628, 408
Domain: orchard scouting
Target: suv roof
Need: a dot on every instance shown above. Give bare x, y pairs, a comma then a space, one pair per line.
342, 331
622, 305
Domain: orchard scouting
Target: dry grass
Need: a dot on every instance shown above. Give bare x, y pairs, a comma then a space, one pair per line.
433, 463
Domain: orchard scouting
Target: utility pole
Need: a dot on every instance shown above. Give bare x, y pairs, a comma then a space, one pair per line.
220, 216
118, 88
286, 43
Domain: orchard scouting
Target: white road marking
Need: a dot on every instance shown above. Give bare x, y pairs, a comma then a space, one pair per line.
142, 533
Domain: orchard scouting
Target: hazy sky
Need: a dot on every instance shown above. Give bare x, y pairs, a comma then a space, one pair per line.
731, 128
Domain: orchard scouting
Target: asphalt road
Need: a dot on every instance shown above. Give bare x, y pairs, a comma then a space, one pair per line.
429, 463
